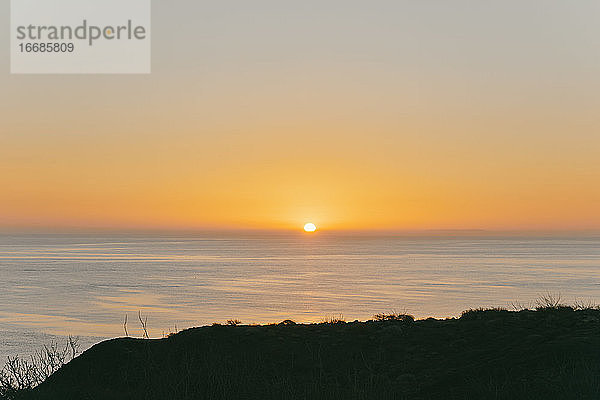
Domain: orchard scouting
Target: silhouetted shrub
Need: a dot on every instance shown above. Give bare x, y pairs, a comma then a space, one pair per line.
394, 317
21, 374
334, 319
478, 313
551, 302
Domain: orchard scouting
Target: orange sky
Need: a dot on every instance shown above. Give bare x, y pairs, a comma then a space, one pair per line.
352, 118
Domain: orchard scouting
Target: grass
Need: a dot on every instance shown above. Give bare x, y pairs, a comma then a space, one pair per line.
548, 351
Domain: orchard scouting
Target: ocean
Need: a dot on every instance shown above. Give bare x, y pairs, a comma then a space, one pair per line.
54, 285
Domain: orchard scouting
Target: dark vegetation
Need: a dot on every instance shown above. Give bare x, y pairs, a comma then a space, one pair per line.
551, 351
20, 375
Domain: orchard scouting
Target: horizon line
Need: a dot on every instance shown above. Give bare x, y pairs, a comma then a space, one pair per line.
258, 231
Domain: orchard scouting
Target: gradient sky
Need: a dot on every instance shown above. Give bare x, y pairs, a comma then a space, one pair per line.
350, 114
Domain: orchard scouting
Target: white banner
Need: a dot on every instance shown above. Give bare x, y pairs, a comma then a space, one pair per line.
80, 36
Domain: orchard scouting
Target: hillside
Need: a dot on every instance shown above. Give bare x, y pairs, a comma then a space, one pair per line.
551, 353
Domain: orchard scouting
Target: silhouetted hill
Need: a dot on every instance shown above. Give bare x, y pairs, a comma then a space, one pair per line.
552, 353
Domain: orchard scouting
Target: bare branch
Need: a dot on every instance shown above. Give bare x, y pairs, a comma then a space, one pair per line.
144, 323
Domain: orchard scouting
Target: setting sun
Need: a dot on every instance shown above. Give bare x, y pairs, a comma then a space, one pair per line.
310, 227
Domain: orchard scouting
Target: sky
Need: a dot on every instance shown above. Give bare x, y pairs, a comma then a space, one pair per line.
354, 115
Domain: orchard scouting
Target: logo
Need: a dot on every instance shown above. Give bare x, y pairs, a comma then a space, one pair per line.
80, 36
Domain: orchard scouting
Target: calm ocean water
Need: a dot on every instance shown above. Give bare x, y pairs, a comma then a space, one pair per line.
55, 285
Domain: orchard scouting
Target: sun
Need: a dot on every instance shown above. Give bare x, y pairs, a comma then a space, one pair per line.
310, 227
